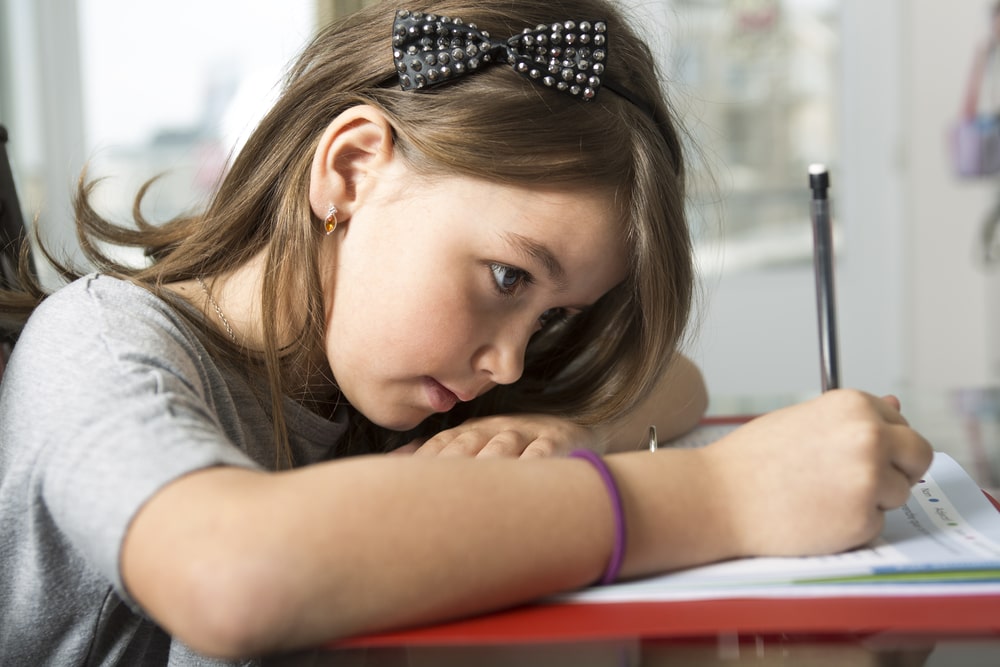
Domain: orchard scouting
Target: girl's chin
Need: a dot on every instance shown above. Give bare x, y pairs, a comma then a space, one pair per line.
398, 422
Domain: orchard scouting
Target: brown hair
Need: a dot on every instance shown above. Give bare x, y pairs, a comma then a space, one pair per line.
494, 125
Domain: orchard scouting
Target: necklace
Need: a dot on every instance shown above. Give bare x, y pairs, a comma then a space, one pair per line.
218, 310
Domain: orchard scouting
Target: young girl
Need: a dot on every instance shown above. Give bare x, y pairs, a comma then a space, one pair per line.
445, 241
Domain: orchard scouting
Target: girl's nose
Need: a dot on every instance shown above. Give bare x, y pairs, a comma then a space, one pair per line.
502, 358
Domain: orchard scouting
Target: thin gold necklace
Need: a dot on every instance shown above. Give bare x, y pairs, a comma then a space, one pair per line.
218, 310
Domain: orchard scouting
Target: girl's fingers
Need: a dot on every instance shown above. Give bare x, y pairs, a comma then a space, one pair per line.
467, 444
910, 453
888, 409
893, 401
433, 446
894, 488
506, 444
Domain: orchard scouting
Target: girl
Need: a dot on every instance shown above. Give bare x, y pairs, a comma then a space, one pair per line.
466, 247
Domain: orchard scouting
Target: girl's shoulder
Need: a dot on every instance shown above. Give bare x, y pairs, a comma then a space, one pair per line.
102, 286
101, 311
97, 296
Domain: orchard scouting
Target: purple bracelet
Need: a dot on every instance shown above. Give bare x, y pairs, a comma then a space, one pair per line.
618, 550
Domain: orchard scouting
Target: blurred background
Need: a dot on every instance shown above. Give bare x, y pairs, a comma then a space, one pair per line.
765, 87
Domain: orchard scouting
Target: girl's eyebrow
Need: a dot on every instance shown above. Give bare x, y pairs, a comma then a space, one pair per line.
542, 254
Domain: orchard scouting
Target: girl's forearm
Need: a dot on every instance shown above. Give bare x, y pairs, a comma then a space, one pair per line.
263, 562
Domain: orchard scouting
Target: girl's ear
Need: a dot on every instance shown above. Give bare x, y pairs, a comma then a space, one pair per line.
351, 152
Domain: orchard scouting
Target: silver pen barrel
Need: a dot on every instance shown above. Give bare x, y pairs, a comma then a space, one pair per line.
826, 302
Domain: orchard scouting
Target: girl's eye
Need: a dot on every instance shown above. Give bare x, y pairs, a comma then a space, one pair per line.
551, 316
507, 278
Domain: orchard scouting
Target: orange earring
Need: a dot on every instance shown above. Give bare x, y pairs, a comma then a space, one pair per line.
331, 219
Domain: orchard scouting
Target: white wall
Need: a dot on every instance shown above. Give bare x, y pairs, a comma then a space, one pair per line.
917, 313
949, 299
759, 331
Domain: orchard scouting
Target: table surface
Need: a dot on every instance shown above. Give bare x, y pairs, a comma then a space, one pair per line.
964, 423
724, 649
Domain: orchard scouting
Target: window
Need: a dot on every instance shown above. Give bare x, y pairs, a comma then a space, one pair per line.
172, 87
758, 84
135, 90
767, 87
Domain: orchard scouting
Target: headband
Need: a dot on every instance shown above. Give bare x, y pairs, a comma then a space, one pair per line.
429, 50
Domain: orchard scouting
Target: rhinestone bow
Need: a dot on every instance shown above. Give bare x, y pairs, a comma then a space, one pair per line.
430, 50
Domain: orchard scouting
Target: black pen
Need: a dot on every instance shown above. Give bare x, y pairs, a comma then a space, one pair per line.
826, 303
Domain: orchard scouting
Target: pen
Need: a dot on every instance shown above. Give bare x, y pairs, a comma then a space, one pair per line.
826, 305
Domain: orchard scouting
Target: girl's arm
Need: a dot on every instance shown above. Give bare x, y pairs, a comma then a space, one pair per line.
234, 562
675, 406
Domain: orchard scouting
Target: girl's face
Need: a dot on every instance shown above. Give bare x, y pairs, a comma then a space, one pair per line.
436, 287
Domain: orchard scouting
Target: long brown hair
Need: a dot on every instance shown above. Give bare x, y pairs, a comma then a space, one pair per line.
494, 125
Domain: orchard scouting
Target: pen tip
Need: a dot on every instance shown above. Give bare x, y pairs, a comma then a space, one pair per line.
816, 168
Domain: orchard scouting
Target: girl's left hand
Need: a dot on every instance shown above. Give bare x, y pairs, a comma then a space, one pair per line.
517, 435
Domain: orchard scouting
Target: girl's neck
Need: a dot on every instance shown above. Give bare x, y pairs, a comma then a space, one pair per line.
234, 299
230, 301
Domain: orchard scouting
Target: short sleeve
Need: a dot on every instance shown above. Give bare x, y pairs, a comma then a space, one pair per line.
106, 400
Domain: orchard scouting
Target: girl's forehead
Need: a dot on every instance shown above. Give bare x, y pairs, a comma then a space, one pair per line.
578, 233
568, 227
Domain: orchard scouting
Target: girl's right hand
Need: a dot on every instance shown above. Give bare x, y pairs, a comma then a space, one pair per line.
817, 477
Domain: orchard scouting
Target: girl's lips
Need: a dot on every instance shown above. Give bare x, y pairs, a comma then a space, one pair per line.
440, 397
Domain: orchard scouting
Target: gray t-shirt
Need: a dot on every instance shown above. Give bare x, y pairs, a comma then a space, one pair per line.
108, 397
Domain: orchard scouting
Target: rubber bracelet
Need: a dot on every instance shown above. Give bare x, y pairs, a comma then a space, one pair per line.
618, 550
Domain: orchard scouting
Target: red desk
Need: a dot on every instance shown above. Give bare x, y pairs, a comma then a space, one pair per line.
931, 630
919, 630
969, 616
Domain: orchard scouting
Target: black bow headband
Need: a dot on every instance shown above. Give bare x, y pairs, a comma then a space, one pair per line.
430, 50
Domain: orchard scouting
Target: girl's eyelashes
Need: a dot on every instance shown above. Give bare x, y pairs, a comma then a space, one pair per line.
508, 280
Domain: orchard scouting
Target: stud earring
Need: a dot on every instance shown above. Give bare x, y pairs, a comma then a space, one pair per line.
330, 223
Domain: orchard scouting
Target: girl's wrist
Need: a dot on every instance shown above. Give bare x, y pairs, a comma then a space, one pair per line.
677, 511
619, 535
